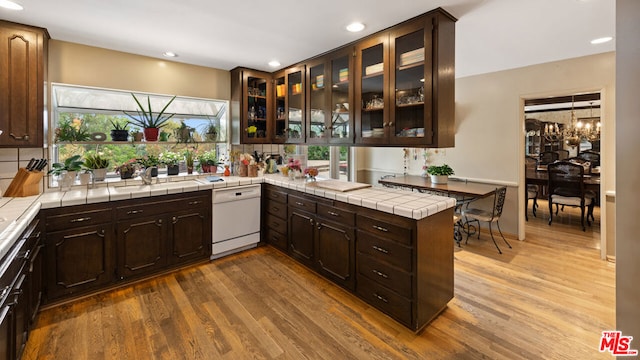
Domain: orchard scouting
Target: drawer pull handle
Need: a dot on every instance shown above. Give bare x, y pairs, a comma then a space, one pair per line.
195, 202
381, 274
80, 219
377, 248
276, 209
132, 212
380, 228
381, 298
25, 137
333, 213
299, 203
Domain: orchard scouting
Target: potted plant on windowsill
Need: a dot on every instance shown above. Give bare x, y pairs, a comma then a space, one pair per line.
208, 161
150, 161
127, 168
67, 170
171, 160
97, 163
146, 119
439, 174
119, 131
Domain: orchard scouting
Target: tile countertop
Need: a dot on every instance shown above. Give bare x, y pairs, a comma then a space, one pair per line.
17, 213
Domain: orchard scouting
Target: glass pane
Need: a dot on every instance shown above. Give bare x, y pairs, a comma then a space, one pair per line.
372, 117
295, 104
281, 120
317, 102
257, 107
410, 69
340, 97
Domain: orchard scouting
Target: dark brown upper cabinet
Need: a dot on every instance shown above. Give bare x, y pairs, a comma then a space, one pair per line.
251, 104
289, 109
23, 75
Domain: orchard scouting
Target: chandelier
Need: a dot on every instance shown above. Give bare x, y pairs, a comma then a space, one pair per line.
575, 132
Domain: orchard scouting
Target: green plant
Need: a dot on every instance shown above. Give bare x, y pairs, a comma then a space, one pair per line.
73, 163
148, 161
188, 157
146, 118
118, 126
72, 130
128, 166
440, 170
208, 158
170, 158
95, 160
184, 134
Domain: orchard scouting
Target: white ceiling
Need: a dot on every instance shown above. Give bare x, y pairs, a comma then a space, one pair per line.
491, 35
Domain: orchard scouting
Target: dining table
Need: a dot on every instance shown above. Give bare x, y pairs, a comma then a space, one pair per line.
541, 177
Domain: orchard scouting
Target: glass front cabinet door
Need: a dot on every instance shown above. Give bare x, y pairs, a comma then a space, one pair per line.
289, 105
251, 91
318, 111
422, 80
371, 92
340, 127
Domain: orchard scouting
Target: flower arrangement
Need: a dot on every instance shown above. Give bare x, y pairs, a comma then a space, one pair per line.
128, 166
170, 158
311, 172
246, 159
148, 161
294, 164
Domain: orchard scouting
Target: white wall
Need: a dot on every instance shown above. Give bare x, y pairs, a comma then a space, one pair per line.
628, 181
490, 124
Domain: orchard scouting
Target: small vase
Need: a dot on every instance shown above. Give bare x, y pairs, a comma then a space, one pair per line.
189, 169
99, 174
173, 169
137, 136
151, 134
227, 172
243, 170
66, 180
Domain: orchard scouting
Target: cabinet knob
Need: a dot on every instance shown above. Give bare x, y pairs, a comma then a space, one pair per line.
311, 222
381, 298
25, 137
332, 213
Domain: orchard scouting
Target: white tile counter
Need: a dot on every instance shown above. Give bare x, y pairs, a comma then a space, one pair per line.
17, 213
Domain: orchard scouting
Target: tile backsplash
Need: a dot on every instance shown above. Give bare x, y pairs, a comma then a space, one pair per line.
11, 159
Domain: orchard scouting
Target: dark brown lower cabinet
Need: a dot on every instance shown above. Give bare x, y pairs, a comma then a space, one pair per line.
92, 247
401, 266
141, 245
79, 260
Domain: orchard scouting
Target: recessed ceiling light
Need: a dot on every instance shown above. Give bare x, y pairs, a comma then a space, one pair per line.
10, 5
601, 40
274, 63
355, 27
170, 54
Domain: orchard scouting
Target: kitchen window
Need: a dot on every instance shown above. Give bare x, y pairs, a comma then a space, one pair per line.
89, 114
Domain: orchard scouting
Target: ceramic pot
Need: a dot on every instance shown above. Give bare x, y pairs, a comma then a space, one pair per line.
439, 179
126, 174
243, 170
173, 169
85, 178
154, 171
252, 171
151, 134
99, 174
119, 135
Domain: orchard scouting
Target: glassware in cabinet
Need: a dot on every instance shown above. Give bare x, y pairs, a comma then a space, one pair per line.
341, 72
317, 112
250, 105
289, 105
411, 115
371, 92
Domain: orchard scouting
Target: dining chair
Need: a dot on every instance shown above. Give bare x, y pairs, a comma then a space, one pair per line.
531, 164
566, 188
563, 154
547, 157
591, 156
489, 216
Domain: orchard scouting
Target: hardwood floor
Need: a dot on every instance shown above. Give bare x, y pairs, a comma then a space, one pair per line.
549, 298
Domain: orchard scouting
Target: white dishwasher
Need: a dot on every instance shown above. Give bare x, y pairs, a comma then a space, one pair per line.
236, 219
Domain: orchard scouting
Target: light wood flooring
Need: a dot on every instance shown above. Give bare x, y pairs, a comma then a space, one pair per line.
547, 298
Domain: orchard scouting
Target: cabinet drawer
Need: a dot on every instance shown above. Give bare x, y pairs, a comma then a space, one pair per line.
277, 224
385, 274
277, 209
56, 222
385, 229
302, 204
384, 299
154, 206
385, 250
276, 239
274, 195
341, 216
